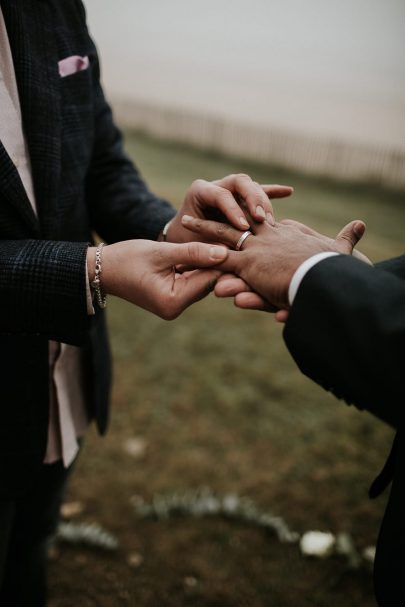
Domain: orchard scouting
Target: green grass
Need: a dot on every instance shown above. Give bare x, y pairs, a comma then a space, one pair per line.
221, 403
323, 204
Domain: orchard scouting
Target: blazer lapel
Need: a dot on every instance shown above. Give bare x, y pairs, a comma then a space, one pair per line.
13, 192
33, 45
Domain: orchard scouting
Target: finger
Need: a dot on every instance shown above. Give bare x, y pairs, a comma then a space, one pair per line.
350, 235
212, 231
230, 285
281, 315
189, 288
193, 254
252, 193
362, 257
225, 276
277, 191
253, 301
255, 226
209, 194
233, 263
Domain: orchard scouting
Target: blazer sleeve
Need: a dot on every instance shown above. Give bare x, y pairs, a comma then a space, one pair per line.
43, 289
395, 266
346, 331
121, 205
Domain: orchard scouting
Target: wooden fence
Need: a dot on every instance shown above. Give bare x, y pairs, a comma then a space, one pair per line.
312, 155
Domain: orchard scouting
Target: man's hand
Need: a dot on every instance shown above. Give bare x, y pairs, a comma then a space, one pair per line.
223, 200
144, 273
270, 257
229, 285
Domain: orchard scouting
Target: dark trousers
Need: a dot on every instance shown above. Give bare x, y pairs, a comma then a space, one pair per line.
26, 524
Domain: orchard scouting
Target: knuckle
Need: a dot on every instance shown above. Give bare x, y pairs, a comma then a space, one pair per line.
222, 229
198, 224
243, 181
197, 184
157, 255
193, 249
226, 199
348, 238
243, 177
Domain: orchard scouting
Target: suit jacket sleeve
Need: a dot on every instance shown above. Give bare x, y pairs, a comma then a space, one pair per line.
346, 331
43, 289
395, 266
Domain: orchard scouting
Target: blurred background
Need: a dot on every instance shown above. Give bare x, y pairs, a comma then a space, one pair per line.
219, 447
316, 86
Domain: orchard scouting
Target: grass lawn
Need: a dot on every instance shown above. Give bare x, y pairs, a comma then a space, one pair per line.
218, 402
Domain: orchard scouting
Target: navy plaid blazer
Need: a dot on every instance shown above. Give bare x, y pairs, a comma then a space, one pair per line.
84, 183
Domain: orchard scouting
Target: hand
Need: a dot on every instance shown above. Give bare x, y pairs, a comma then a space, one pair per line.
143, 272
222, 200
271, 256
229, 285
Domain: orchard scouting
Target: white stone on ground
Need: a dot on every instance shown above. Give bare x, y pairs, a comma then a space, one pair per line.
317, 543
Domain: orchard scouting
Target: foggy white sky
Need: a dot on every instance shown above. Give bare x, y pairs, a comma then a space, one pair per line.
327, 67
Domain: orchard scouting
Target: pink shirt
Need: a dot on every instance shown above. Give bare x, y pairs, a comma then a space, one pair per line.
67, 416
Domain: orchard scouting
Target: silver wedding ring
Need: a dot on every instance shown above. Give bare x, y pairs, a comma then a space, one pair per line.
242, 239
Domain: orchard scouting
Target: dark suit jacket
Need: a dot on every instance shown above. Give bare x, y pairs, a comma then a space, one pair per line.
83, 182
346, 331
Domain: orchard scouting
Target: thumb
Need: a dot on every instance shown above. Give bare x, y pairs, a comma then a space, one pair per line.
195, 254
350, 235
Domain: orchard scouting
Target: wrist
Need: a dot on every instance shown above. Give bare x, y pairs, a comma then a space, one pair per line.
91, 263
115, 258
95, 269
108, 274
303, 269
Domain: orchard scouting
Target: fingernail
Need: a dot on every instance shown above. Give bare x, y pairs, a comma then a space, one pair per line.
218, 253
359, 229
270, 219
186, 219
243, 222
260, 211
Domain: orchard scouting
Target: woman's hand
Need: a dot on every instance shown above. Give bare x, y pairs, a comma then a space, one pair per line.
223, 200
144, 273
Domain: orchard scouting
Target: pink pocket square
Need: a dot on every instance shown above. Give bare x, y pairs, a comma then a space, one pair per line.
72, 65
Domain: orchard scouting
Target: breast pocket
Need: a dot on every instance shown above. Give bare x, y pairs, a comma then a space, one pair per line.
77, 124
77, 89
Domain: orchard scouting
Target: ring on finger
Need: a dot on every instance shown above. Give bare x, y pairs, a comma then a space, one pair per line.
242, 239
